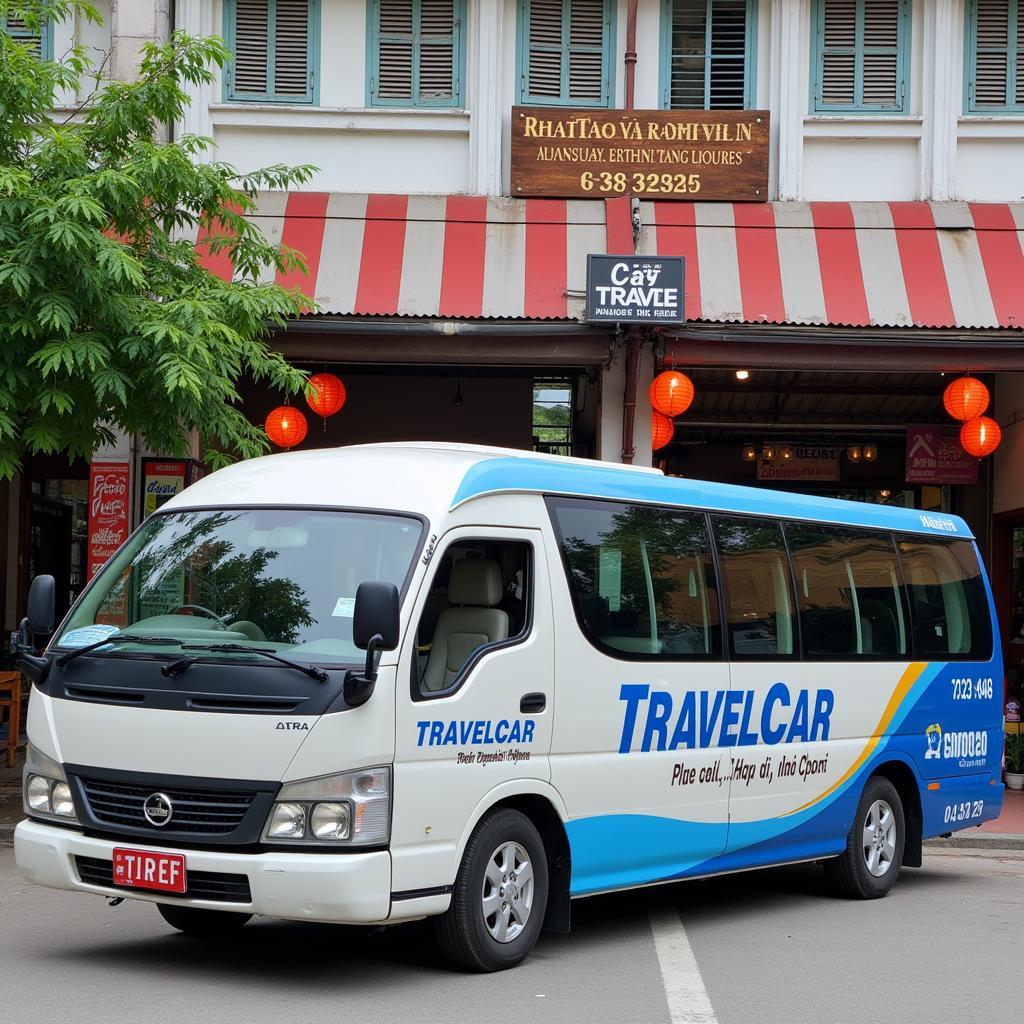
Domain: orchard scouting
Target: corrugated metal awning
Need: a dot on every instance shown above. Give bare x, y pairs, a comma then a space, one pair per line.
840, 264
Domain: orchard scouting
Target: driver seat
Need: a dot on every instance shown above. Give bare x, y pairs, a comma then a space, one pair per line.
471, 621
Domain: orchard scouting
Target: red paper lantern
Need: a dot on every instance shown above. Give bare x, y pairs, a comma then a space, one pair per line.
326, 394
965, 398
980, 436
662, 429
671, 393
286, 426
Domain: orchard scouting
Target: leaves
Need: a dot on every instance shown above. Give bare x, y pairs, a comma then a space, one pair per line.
106, 314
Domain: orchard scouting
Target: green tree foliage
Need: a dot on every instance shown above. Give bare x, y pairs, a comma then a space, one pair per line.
107, 318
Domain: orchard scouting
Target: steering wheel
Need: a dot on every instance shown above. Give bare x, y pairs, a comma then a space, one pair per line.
206, 611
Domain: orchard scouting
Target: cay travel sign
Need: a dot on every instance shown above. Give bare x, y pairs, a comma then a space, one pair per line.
651, 154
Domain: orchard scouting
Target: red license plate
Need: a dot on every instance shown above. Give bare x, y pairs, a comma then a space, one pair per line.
142, 869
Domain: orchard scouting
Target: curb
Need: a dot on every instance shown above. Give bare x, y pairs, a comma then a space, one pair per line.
982, 841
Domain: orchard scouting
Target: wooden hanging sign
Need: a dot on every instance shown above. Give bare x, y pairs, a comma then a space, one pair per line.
695, 155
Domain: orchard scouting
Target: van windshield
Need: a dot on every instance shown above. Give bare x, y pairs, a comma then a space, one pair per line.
281, 579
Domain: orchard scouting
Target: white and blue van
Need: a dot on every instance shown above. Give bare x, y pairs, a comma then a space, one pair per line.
396, 681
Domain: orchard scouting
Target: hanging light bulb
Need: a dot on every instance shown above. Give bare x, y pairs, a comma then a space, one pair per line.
768, 453
786, 452
749, 453
743, 375
854, 453
870, 452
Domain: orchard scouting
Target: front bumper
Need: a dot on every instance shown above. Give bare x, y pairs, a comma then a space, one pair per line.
348, 888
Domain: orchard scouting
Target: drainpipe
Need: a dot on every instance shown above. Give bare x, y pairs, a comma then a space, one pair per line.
629, 396
632, 338
630, 58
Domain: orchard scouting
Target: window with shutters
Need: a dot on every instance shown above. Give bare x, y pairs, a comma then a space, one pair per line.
565, 49
416, 53
276, 48
861, 53
995, 57
708, 54
38, 40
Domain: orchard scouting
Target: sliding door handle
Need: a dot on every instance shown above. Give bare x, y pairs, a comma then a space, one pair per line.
533, 703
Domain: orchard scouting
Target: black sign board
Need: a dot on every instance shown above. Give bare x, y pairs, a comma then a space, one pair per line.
635, 289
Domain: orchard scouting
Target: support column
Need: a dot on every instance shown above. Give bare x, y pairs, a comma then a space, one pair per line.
133, 23
485, 52
788, 94
196, 18
610, 413
941, 94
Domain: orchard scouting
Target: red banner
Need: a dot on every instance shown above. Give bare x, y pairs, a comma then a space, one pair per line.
934, 456
108, 511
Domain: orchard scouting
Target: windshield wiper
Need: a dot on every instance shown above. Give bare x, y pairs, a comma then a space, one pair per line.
115, 638
310, 670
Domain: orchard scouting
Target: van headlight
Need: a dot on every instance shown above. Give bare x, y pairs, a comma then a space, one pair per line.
351, 809
45, 789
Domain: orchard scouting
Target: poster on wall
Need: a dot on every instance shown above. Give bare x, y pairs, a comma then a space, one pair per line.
108, 512
805, 462
161, 481
934, 456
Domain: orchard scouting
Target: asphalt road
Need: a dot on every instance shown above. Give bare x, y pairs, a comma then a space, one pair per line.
771, 946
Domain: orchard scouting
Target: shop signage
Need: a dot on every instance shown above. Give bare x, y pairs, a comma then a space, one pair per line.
653, 154
806, 462
161, 481
108, 512
934, 456
635, 289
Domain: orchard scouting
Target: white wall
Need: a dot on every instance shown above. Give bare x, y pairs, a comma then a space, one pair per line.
1008, 469
932, 151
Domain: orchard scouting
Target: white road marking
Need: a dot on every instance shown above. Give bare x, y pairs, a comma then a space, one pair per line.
688, 1001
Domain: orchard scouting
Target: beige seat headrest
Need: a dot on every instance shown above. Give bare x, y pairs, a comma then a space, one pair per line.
475, 581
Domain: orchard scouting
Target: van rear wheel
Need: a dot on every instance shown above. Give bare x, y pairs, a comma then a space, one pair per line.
204, 924
500, 895
869, 866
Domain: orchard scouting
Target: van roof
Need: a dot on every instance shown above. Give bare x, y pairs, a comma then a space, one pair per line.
432, 477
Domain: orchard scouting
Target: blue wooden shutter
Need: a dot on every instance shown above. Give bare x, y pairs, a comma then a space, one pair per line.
416, 53
565, 52
275, 45
995, 57
36, 40
861, 49
710, 54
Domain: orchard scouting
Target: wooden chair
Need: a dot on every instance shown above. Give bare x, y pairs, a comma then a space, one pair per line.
10, 698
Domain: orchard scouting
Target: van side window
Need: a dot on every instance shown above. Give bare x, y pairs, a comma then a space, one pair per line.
755, 572
641, 577
948, 604
480, 595
848, 592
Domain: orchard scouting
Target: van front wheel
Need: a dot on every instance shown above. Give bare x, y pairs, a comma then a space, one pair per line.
499, 897
870, 864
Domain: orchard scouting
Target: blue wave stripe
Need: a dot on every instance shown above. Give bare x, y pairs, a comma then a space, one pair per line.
649, 848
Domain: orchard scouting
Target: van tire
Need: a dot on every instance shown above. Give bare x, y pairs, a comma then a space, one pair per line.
865, 871
204, 924
465, 937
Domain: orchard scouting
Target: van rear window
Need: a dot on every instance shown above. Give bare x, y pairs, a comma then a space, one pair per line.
948, 604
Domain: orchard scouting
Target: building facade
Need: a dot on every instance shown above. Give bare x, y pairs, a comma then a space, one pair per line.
824, 318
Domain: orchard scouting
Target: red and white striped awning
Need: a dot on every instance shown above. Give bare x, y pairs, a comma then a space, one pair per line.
897, 264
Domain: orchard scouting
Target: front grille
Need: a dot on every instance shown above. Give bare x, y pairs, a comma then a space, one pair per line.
211, 812
202, 885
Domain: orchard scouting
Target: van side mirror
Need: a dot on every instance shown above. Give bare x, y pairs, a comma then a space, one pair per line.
375, 627
42, 607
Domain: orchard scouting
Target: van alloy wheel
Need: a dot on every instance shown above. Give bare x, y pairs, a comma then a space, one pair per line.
507, 892
879, 839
